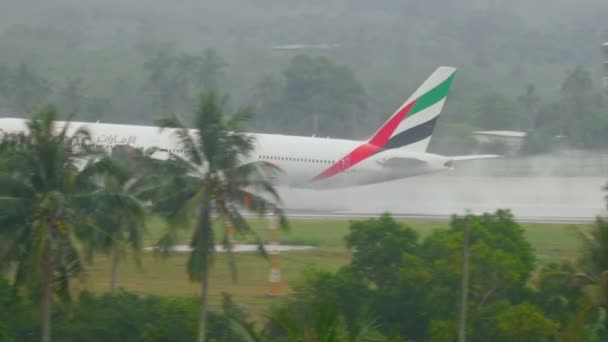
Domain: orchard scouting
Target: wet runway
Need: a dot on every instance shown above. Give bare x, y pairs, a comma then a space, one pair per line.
531, 199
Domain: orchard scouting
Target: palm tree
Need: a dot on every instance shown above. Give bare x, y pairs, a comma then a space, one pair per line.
591, 280
309, 322
211, 182
42, 200
125, 183
5, 158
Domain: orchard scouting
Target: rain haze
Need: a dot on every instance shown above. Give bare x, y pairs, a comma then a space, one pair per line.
337, 68
328, 86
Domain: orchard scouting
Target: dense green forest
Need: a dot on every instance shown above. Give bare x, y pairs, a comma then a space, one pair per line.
132, 62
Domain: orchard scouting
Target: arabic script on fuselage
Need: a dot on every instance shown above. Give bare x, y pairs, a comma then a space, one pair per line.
113, 139
108, 139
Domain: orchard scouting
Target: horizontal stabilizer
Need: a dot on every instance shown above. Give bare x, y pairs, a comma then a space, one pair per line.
400, 162
474, 157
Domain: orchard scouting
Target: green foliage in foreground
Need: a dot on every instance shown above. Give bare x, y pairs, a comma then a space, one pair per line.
119, 317
412, 285
398, 286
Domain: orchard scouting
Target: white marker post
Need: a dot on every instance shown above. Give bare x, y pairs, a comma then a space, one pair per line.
274, 278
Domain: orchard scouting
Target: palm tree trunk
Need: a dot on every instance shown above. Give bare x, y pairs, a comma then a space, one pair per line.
115, 259
204, 225
46, 294
203, 318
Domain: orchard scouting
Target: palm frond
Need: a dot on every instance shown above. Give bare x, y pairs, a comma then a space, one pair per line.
246, 331
232, 214
180, 130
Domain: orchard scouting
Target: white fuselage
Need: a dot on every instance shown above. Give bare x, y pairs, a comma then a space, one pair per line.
300, 158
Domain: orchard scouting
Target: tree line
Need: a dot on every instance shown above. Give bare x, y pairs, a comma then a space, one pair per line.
397, 287
316, 96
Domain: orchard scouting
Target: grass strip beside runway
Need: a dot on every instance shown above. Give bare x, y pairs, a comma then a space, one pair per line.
168, 277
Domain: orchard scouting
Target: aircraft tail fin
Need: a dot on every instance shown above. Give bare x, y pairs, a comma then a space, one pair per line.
412, 125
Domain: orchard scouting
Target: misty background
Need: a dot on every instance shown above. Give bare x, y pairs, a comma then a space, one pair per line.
333, 68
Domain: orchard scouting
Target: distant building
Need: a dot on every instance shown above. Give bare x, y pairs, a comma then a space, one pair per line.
513, 140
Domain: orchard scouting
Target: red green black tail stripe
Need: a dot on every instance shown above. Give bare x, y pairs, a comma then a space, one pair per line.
384, 139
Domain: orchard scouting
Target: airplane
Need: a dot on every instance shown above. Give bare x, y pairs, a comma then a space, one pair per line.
398, 149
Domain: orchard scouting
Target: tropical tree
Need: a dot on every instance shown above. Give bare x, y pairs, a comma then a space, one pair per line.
530, 101
124, 185
30, 88
496, 111
211, 182
594, 278
43, 200
578, 291
309, 322
318, 97
210, 69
